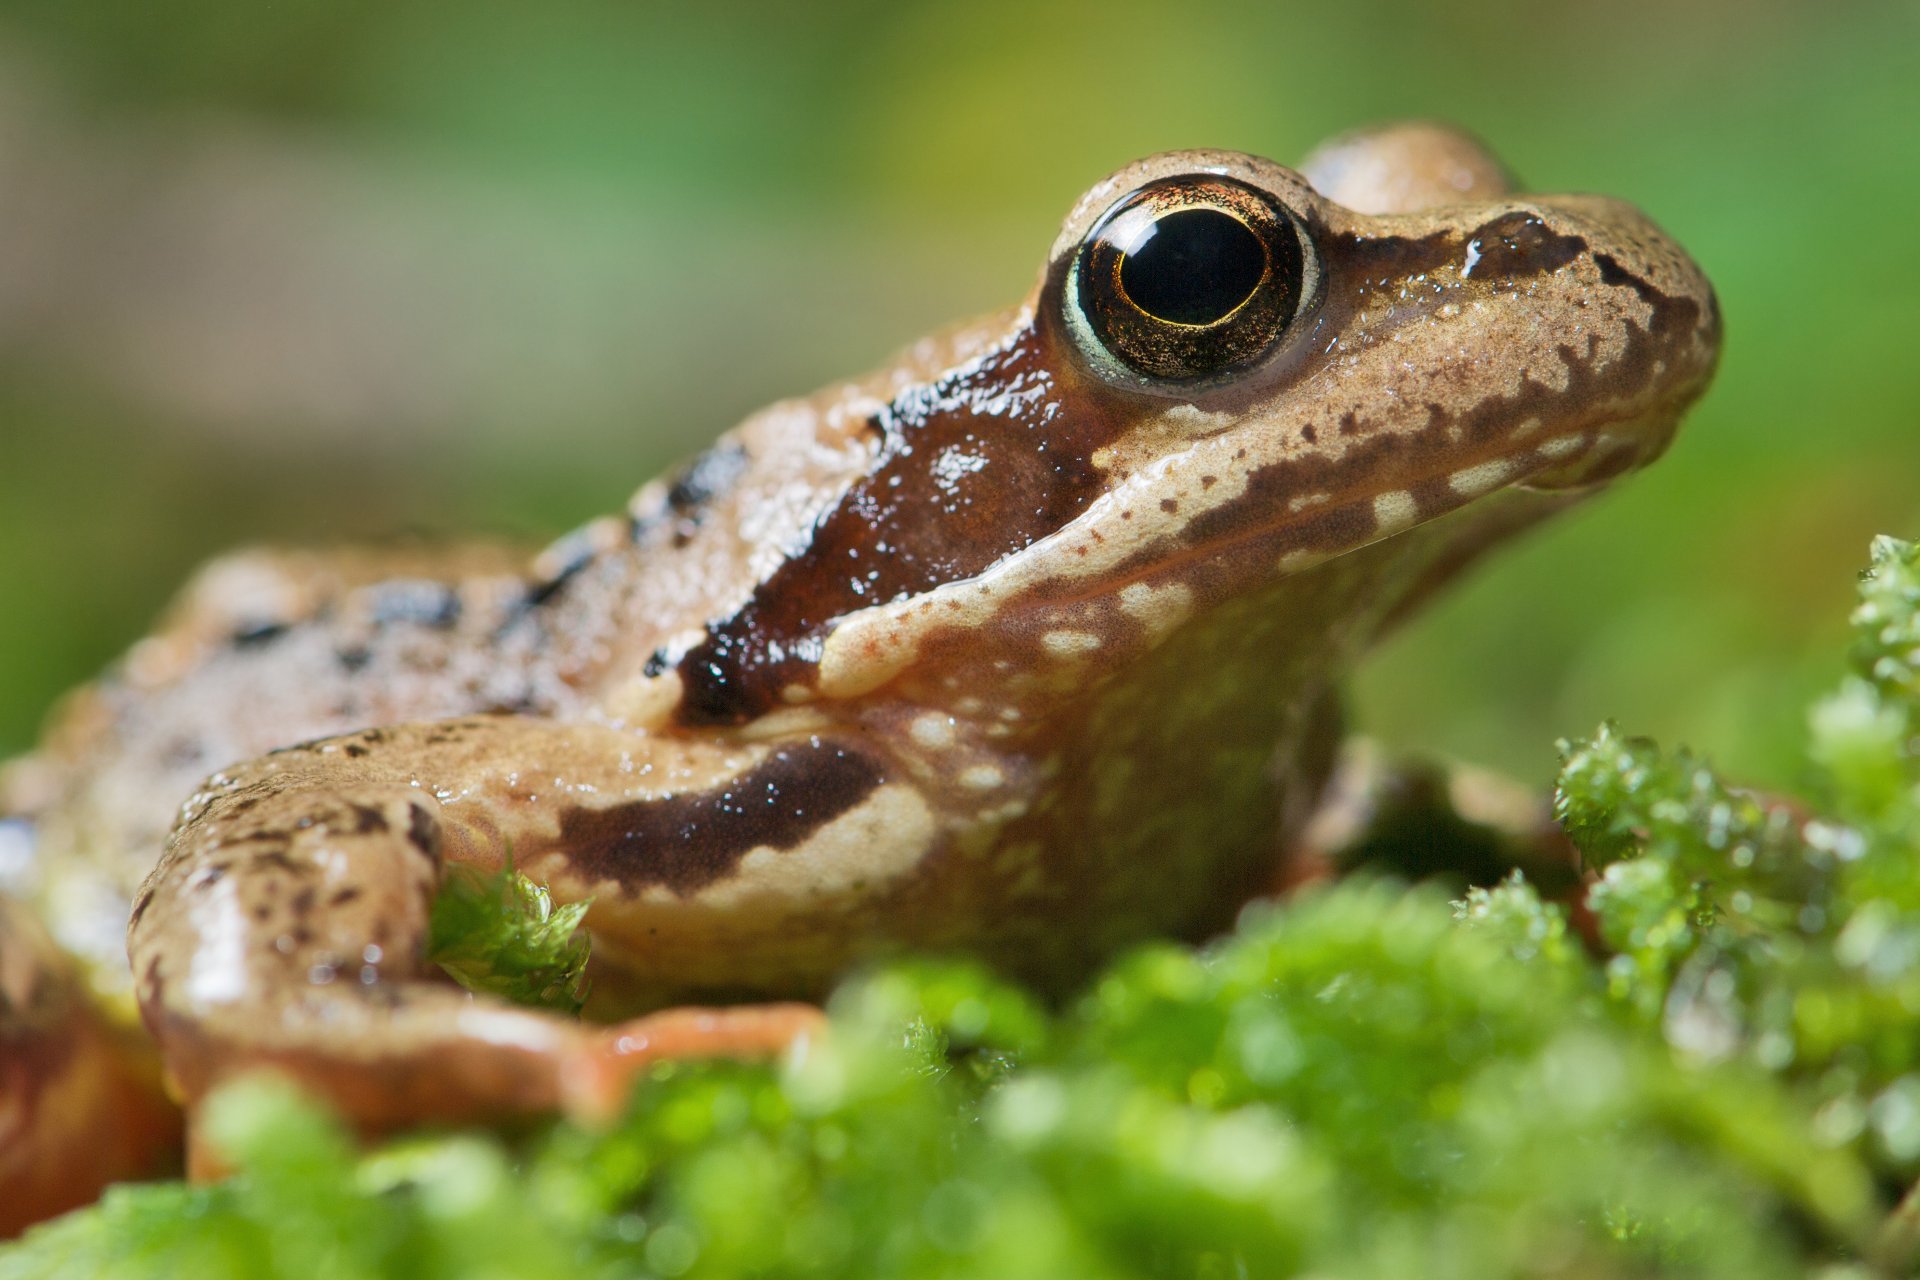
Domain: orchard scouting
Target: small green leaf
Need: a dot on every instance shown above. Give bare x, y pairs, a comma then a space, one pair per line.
498, 932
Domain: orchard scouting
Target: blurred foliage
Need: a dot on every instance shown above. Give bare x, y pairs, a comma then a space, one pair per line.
321, 271
1707, 1066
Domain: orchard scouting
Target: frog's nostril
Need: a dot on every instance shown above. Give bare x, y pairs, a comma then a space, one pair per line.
1517, 245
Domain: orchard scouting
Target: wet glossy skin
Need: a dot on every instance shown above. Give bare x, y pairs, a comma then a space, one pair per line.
1009, 647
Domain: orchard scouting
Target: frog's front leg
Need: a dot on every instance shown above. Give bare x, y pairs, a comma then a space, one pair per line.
285, 926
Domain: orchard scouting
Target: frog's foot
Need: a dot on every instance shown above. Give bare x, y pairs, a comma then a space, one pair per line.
285, 929
80, 1100
598, 1082
596, 1072
1417, 818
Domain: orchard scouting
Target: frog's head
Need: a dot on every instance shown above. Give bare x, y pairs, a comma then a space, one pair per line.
1451, 339
1226, 376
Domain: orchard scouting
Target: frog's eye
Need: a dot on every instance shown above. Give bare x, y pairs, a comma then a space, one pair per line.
1188, 278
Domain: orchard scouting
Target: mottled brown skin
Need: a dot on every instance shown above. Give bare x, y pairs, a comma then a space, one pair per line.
1002, 649
80, 1103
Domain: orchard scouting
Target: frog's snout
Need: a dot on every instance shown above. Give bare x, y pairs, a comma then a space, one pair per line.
1640, 275
1638, 331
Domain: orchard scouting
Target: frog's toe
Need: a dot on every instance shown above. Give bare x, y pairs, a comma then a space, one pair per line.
596, 1083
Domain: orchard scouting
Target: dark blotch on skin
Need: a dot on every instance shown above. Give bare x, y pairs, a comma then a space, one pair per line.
419, 601
1612, 273
423, 833
276, 858
687, 842
1513, 246
1516, 245
366, 820
706, 478
970, 469
253, 635
572, 553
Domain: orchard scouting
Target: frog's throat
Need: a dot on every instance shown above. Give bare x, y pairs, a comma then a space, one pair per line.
1148, 831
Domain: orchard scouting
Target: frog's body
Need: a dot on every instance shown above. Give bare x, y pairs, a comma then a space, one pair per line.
1025, 645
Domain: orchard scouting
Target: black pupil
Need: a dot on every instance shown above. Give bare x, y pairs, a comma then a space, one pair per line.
1194, 266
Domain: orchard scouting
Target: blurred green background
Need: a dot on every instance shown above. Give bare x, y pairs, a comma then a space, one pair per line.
331, 269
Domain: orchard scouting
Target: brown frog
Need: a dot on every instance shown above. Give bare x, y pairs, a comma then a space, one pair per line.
1025, 645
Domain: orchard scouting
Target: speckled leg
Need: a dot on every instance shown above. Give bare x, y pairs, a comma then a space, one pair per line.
285, 925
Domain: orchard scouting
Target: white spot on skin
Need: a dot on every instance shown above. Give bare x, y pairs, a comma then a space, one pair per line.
16, 855
1394, 510
932, 731
1470, 482
1157, 609
1192, 418
646, 702
1306, 500
217, 969
1069, 644
982, 777
784, 723
511, 1027
1561, 446
953, 464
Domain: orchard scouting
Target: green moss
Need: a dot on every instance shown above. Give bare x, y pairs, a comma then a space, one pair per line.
499, 933
1365, 1080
